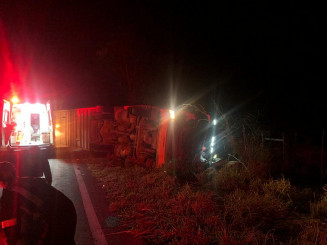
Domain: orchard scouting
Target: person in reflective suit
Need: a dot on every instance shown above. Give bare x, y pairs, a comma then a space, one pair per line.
34, 212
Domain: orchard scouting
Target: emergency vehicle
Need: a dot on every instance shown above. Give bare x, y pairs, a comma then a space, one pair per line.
25, 124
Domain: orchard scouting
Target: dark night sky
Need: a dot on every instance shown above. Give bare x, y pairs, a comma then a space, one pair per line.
267, 57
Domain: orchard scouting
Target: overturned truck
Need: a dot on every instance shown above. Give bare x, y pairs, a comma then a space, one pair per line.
148, 135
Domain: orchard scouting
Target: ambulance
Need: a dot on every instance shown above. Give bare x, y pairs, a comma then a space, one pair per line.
25, 124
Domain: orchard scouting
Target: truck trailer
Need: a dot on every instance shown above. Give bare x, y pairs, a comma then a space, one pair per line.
145, 134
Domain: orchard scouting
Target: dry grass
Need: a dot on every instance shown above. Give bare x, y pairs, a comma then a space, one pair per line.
319, 209
152, 206
228, 206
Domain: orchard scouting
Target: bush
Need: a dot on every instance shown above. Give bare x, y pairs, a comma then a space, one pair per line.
319, 209
311, 234
232, 177
244, 209
184, 172
206, 178
281, 189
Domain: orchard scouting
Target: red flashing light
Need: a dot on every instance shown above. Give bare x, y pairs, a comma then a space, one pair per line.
14, 100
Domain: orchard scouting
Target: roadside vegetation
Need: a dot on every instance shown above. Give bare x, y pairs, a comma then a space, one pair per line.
238, 202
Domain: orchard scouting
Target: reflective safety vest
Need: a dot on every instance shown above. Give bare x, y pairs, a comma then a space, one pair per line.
43, 214
25, 214
8, 223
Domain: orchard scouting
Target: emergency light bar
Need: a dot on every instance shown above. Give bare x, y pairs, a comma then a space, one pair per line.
14, 100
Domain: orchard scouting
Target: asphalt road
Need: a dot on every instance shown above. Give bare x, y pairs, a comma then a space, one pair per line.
64, 180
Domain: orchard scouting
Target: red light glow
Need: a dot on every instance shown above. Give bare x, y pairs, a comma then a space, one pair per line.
9, 75
14, 100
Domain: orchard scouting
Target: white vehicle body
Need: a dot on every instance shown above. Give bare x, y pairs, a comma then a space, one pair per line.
26, 124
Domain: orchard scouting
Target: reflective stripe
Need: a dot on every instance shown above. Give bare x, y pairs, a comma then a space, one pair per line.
29, 196
8, 223
29, 177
